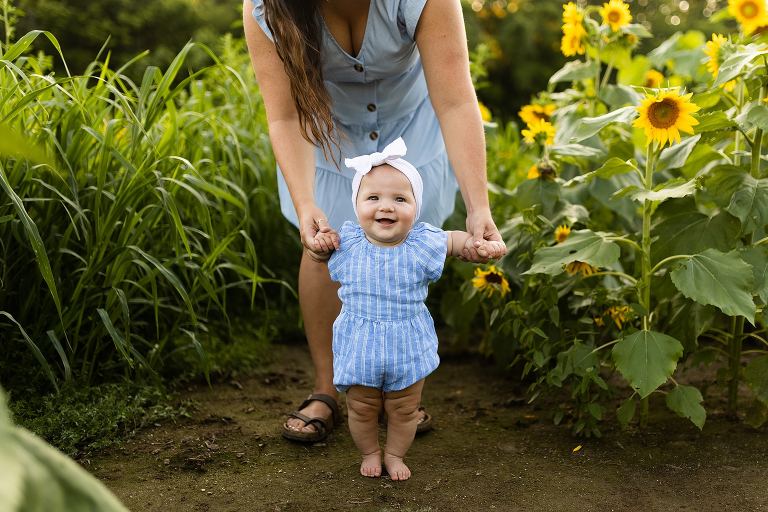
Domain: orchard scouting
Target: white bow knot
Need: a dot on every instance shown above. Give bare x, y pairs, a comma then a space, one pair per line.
363, 164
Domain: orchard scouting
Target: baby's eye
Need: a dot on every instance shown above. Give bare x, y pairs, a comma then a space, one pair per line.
373, 198
400, 199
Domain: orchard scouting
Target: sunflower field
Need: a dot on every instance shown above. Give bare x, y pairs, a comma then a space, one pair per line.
635, 205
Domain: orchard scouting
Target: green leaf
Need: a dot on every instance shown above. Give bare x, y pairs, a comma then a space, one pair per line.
619, 95
574, 70
675, 156
14, 144
755, 115
611, 167
735, 64
714, 121
720, 279
691, 232
637, 29
756, 376
757, 257
647, 359
589, 126
750, 203
576, 150
669, 190
686, 402
582, 245
626, 412
541, 193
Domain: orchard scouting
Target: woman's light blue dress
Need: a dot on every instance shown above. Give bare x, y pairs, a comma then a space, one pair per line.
384, 337
378, 95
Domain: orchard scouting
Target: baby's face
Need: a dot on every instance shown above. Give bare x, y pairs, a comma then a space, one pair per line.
386, 207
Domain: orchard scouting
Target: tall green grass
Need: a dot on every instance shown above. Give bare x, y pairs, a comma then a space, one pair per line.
148, 213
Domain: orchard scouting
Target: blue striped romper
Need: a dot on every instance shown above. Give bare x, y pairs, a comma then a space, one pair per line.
384, 337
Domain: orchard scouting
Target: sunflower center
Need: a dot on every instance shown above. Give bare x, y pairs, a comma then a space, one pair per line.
542, 116
663, 114
493, 278
614, 17
749, 10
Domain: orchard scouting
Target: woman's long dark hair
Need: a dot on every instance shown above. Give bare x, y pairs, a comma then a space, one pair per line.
296, 30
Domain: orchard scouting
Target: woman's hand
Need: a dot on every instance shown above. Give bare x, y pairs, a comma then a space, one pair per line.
312, 222
481, 226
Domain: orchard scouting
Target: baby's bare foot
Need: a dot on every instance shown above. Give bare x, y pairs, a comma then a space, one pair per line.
396, 467
371, 465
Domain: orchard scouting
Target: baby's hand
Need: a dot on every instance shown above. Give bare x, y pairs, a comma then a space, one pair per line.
323, 244
491, 249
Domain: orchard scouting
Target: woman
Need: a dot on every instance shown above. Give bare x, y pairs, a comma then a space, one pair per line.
346, 77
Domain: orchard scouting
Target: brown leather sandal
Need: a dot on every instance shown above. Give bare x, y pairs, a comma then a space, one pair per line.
323, 427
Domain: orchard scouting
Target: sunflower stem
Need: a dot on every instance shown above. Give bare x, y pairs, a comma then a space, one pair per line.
738, 135
757, 144
644, 290
734, 363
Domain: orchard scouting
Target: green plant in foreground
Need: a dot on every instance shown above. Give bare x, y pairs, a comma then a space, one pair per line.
37, 477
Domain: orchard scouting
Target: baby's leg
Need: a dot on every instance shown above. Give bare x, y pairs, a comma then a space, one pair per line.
363, 405
403, 415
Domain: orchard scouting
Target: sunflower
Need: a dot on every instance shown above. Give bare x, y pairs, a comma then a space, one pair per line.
653, 79
618, 314
750, 14
561, 233
490, 281
533, 172
664, 115
575, 267
540, 130
616, 14
572, 15
573, 40
598, 321
485, 112
532, 113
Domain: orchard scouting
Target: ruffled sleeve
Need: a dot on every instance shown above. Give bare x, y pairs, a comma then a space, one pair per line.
258, 15
429, 246
350, 235
409, 13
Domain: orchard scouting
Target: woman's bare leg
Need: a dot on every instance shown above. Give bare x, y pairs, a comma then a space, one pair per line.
320, 305
363, 406
402, 417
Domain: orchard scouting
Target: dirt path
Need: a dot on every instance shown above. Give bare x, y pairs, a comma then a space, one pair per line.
482, 455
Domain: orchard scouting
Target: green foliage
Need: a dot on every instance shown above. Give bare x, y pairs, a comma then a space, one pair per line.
148, 219
720, 279
126, 29
80, 420
665, 247
647, 359
38, 478
686, 401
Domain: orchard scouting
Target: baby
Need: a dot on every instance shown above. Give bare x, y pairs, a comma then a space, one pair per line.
384, 340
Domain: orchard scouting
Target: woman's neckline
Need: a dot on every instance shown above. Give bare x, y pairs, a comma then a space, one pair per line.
363, 41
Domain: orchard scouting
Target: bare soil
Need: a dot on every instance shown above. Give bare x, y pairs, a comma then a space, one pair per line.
487, 452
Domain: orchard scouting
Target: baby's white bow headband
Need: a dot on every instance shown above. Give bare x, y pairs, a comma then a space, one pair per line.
393, 155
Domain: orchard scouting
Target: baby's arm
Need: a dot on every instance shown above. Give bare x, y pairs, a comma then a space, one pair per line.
458, 239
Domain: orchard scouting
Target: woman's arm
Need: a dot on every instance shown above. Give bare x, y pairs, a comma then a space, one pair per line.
442, 43
294, 154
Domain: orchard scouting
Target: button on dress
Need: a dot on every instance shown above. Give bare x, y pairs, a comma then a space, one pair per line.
384, 337
378, 95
